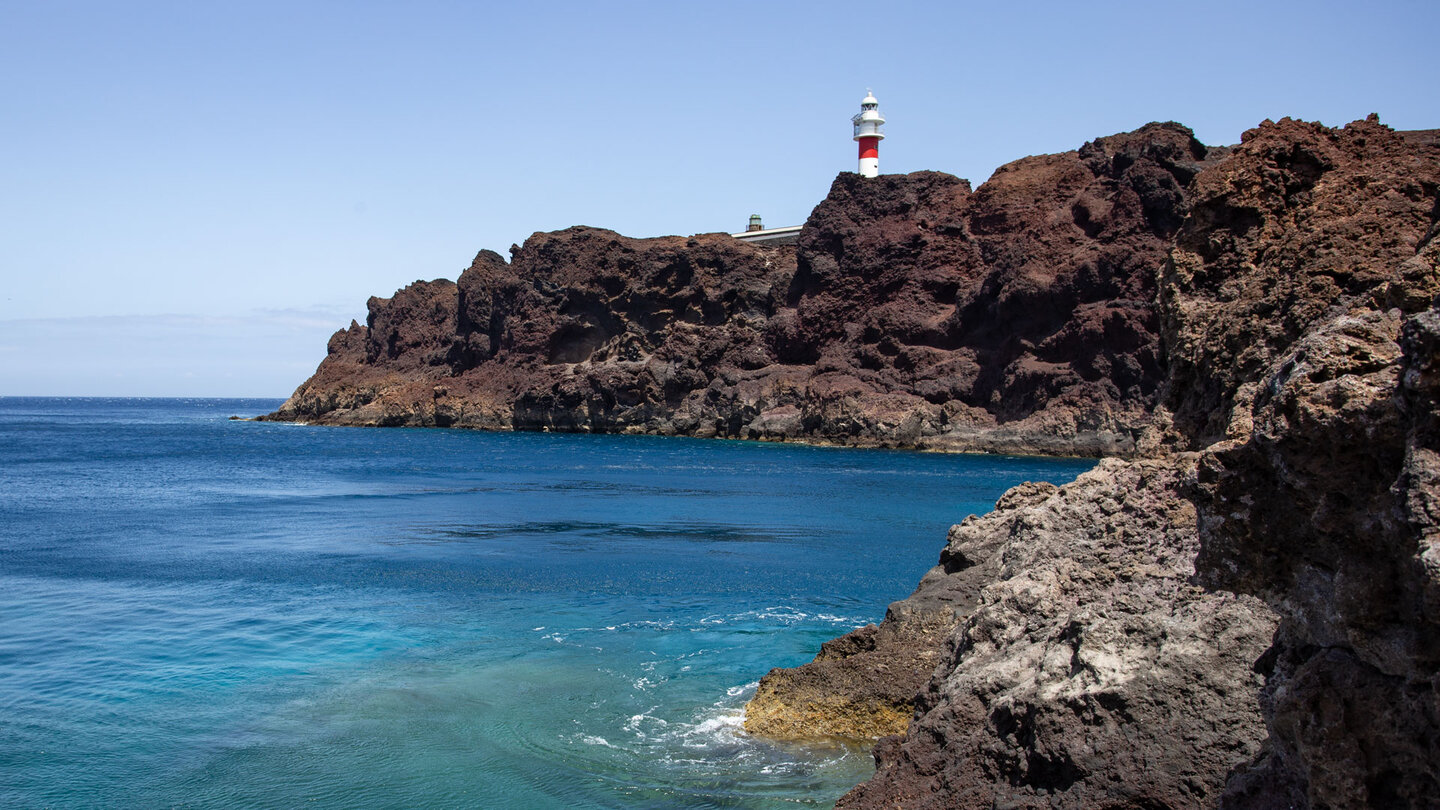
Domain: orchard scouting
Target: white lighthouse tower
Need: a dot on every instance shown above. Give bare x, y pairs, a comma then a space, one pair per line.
867, 132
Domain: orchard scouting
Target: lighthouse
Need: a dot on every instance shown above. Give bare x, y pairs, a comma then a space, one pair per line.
867, 133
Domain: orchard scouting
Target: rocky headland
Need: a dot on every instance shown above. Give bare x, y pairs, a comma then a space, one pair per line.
912, 312
1239, 607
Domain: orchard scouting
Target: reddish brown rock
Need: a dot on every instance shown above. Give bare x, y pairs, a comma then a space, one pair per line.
1021, 316
1301, 223
1301, 334
1279, 367
913, 312
1307, 347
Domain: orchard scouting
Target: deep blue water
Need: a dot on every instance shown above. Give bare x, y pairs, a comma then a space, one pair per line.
198, 612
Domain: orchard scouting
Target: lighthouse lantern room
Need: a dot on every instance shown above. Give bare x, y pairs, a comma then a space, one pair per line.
867, 133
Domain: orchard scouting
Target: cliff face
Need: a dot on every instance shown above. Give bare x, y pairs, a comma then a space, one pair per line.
1244, 614
583, 330
1298, 311
1319, 495
911, 312
1090, 672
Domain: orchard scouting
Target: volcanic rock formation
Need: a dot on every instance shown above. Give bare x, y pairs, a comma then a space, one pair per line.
1241, 608
1090, 668
1299, 466
1301, 300
912, 312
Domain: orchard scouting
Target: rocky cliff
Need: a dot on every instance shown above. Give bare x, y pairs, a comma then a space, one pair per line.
1091, 671
1301, 299
912, 312
1241, 609
1112, 641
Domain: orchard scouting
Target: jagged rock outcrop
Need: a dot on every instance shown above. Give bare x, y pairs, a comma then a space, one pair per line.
1301, 340
1319, 494
1245, 614
913, 312
1068, 320
583, 330
1092, 673
863, 684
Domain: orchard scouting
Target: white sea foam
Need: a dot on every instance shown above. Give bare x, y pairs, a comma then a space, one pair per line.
737, 691
727, 722
645, 724
783, 612
725, 728
784, 615
833, 619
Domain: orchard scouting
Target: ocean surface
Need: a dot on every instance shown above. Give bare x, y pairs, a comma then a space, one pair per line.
198, 612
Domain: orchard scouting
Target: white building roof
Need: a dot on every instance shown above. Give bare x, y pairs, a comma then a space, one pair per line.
768, 234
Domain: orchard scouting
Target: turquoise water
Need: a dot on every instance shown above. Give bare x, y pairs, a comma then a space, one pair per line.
199, 612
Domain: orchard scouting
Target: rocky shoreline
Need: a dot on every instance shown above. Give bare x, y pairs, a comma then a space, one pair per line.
1248, 617
913, 312
1239, 607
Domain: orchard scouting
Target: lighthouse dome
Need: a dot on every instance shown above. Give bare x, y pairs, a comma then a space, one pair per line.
869, 99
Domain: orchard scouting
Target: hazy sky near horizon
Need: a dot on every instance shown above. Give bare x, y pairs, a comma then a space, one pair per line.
194, 196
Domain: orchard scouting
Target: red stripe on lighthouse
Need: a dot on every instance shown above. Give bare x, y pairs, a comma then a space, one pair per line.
869, 147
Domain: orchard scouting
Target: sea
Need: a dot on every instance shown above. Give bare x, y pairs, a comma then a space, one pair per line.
202, 612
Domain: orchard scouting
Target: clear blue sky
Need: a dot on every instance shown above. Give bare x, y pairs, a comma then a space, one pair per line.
195, 195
